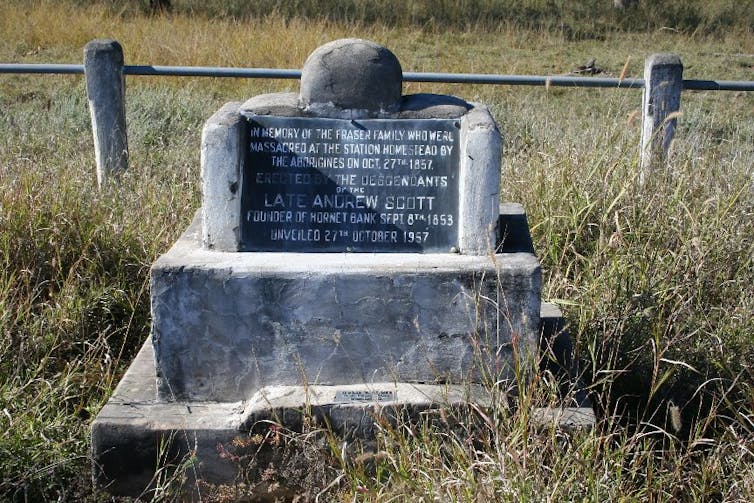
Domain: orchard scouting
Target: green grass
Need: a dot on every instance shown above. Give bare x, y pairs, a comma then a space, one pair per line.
657, 282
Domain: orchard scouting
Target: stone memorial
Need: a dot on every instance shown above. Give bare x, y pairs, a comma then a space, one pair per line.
350, 257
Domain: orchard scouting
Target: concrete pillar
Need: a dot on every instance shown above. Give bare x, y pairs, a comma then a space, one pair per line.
479, 182
663, 82
222, 160
105, 88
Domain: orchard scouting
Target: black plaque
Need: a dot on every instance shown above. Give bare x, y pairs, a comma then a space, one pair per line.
333, 185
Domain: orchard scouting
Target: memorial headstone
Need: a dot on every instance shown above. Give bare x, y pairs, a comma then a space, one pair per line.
349, 256
348, 236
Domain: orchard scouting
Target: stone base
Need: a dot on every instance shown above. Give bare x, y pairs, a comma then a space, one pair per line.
135, 432
142, 427
131, 432
227, 324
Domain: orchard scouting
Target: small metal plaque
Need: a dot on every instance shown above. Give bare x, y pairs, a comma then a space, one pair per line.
364, 396
328, 185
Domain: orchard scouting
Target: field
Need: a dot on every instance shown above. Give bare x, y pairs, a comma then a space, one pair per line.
656, 281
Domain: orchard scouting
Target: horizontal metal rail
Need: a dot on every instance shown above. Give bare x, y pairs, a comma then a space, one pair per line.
210, 71
40, 68
447, 78
718, 85
522, 80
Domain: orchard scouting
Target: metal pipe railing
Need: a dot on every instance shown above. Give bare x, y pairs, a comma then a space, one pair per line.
211, 71
446, 78
523, 80
47, 68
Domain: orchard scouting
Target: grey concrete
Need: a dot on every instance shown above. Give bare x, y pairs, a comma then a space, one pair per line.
105, 89
412, 106
134, 429
479, 182
570, 419
222, 157
227, 324
432, 106
135, 434
351, 79
351, 74
663, 77
355, 418
280, 104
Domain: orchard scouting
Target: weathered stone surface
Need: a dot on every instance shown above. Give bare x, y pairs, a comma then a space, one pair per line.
479, 182
222, 158
412, 106
227, 324
105, 90
351, 74
432, 106
564, 418
478, 178
356, 418
134, 430
280, 104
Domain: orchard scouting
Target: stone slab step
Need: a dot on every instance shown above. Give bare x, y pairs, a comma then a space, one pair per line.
135, 428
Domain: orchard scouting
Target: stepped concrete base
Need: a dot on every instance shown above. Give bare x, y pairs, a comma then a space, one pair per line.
153, 420
227, 324
130, 432
136, 431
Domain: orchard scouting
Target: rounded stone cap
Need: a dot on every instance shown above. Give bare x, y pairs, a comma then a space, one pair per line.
103, 48
352, 73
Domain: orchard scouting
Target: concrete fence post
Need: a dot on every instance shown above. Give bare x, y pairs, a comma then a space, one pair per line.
105, 89
663, 82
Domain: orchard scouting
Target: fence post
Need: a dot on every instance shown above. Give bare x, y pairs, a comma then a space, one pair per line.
661, 100
105, 89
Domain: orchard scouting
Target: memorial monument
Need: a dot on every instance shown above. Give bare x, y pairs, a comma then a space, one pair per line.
351, 258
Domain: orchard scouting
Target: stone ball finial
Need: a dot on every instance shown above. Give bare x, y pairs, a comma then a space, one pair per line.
352, 74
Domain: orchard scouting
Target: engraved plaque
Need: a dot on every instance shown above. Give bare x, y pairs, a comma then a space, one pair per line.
334, 185
364, 396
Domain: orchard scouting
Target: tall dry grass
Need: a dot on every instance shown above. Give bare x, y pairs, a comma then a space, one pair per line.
656, 281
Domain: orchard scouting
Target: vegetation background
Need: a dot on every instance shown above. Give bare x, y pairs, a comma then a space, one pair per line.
657, 282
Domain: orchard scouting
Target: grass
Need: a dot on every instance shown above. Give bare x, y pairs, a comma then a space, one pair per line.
656, 281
